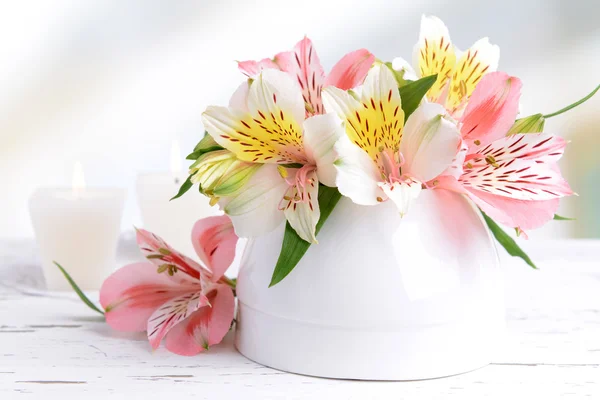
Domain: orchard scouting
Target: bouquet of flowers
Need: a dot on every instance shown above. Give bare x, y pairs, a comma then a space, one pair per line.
293, 140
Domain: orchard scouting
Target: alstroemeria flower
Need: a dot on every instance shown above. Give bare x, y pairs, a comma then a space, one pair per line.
379, 157
457, 72
303, 65
171, 296
514, 179
269, 128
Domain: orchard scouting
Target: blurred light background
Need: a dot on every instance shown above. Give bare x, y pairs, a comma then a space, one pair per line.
113, 82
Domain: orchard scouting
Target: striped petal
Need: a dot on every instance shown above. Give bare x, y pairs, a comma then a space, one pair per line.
434, 54
171, 313
270, 132
304, 66
540, 147
351, 70
214, 241
477, 61
167, 259
376, 122
205, 327
131, 294
301, 206
517, 167
492, 110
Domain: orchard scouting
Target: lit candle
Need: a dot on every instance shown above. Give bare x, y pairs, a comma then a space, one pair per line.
77, 227
171, 220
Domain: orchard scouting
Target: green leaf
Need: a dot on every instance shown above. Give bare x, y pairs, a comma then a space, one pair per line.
560, 218
506, 241
413, 92
206, 145
293, 246
571, 106
187, 185
77, 290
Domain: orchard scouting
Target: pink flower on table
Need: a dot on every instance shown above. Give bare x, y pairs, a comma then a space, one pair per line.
514, 179
173, 297
303, 65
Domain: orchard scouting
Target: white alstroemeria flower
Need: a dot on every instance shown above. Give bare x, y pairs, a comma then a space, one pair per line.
265, 124
379, 157
457, 72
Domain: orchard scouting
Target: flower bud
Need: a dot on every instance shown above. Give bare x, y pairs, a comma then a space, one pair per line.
219, 173
532, 124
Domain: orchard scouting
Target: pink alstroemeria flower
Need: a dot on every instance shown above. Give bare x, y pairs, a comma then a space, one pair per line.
514, 179
171, 296
303, 65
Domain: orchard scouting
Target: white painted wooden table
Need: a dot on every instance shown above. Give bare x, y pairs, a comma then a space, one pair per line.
52, 346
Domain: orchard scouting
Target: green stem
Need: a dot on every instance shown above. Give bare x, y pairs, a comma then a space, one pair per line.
569, 107
228, 281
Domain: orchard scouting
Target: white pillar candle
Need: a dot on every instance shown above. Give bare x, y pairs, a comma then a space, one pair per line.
172, 220
78, 228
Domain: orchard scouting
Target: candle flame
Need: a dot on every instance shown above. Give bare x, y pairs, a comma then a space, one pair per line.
176, 163
78, 179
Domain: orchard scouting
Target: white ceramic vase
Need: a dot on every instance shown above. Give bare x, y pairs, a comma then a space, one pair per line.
380, 297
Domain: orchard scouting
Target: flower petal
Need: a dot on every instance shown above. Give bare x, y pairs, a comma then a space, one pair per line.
480, 59
518, 179
491, 111
253, 68
430, 142
239, 98
320, 134
275, 91
402, 194
214, 241
303, 65
357, 174
171, 313
456, 166
515, 213
351, 70
132, 293
376, 121
270, 131
255, 210
304, 214
541, 147
205, 327
159, 253
434, 54
401, 65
